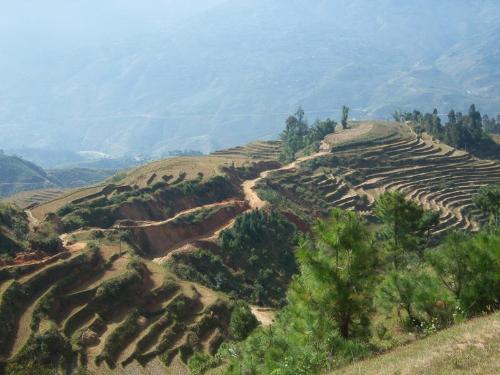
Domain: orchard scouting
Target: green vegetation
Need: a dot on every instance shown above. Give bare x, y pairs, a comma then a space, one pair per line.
329, 303
345, 116
199, 363
467, 132
488, 201
44, 238
406, 228
421, 302
242, 321
103, 211
43, 353
208, 269
467, 348
469, 267
118, 339
299, 136
351, 299
199, 216
16, 298
353, 285
254, 261
13, 230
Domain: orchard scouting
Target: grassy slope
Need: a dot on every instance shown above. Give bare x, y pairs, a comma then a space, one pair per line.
153, 172
468, 348
75, 177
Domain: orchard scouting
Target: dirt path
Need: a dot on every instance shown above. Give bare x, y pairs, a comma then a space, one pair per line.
188, 245
248, 186
264, 315
33, 221
24, 328
253, 199
72, 247
145, 224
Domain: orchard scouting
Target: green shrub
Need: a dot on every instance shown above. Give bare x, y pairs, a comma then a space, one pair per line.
45, 239
469, 267
120, 287
422, 298
43, 352
261, 244
199, 363
206, 268
27, 368
242, 322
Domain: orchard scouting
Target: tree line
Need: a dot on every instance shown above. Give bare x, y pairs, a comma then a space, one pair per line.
464, 131
299, 136
357, 287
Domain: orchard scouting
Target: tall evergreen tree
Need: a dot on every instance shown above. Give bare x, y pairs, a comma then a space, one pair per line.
338, 271
406, 226
345, 116
474, 124
488, 201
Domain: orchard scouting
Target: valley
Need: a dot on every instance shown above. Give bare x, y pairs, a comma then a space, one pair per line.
114, 296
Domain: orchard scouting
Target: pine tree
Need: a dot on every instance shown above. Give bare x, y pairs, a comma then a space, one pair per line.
338, 270
345, 116
474, 124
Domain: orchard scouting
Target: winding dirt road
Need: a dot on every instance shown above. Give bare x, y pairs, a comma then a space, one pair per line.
330, 141
253, 199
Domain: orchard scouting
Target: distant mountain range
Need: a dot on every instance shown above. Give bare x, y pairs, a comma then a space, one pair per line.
231, 71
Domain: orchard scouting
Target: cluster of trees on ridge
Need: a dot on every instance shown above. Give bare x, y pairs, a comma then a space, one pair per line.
358, 286
298, 135
464, 131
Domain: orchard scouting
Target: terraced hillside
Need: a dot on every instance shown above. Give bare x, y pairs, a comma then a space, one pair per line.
35, 197
257, 150
351, 177
172, 170
111, 302
111, 308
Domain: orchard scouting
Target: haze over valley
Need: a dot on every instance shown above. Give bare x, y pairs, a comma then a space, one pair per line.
133, 80
228, 187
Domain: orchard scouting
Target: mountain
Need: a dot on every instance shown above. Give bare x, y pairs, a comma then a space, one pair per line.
231, 71
17, 175
159, 267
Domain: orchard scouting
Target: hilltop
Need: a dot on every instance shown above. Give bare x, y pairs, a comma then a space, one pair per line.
154, 260
17, 174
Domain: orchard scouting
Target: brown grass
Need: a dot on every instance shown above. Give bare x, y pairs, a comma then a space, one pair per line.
468, 348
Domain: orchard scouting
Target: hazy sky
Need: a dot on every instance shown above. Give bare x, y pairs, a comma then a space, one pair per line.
88, 21
231, 69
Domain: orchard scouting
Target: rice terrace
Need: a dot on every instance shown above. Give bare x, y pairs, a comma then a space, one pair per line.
250, 187
115, 294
